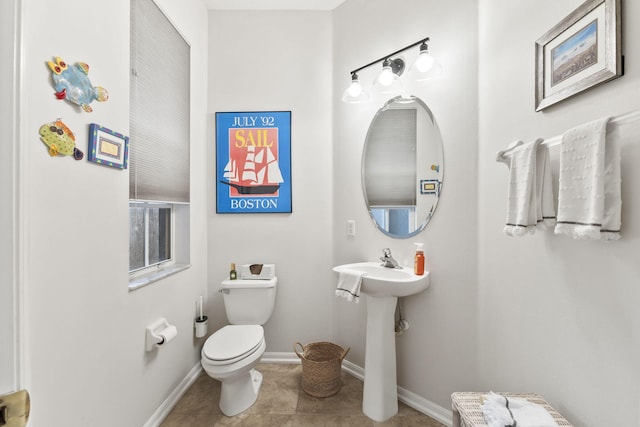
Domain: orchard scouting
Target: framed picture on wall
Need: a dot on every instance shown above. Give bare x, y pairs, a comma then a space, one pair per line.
253, 162
107, 147
581, 51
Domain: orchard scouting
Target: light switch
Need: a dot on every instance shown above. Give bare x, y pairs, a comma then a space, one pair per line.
351, 227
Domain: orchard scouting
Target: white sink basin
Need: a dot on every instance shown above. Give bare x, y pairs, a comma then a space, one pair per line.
382, 286
379, 281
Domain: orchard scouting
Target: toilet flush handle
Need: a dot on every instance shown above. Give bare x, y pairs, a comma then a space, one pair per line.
223, 291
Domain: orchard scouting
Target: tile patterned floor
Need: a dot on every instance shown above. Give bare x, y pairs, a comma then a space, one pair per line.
282, 403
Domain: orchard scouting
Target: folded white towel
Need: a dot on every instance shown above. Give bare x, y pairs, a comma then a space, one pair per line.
500, 411
522, 210
589, 196
349, 283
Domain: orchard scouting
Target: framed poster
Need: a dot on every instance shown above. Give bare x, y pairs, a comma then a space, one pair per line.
253, 162
581, 51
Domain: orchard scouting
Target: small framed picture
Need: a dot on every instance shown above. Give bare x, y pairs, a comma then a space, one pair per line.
107, 147
581, 51
429, 186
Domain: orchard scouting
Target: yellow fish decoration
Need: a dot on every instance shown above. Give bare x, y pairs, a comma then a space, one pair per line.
60, 140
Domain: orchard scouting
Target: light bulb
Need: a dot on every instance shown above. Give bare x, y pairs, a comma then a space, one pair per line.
424, 62
355, 88
355, 92
386, 76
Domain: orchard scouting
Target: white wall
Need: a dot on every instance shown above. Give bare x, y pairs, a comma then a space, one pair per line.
86, 361
277, 61
555, 316
436, 356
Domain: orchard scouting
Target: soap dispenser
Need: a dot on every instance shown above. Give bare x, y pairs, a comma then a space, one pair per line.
418, 262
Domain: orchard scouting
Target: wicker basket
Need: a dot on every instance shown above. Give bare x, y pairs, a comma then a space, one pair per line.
321, 367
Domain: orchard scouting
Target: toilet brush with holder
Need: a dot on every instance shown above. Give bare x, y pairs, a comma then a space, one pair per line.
200, 324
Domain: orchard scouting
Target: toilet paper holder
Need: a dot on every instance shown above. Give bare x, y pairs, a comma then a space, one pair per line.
159, 333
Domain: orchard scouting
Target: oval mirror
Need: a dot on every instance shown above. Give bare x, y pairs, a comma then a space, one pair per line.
402, 167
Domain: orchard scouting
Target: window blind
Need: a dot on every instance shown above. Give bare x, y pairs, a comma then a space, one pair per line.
390, 172
159, 107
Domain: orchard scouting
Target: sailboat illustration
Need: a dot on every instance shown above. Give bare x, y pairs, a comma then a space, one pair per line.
260, 173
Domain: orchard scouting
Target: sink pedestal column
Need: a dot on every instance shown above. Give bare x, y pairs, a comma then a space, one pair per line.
380, 397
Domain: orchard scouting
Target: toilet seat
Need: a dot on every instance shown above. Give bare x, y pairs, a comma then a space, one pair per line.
232, 343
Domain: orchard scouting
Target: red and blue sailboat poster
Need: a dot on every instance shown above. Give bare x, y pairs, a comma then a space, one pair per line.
253, 162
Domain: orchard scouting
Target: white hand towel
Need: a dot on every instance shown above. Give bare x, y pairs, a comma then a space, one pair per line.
589, 201
500, 411
522, 214
611, 217
546, 210
349, 283
495, 411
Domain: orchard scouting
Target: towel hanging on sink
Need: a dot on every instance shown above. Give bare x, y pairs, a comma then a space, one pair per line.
349, 283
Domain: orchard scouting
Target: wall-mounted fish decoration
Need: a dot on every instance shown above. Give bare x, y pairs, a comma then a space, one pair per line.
72, 83
60, 140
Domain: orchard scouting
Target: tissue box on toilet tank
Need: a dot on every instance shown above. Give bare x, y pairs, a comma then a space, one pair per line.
257, 271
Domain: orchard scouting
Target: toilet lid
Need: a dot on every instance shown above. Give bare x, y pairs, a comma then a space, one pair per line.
233, 341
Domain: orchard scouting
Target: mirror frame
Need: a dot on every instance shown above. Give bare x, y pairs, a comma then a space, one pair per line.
406, 100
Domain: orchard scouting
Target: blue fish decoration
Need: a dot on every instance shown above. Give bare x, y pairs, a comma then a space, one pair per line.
72, 83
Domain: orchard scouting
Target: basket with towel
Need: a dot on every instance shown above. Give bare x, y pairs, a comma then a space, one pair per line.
321, 367
473, 409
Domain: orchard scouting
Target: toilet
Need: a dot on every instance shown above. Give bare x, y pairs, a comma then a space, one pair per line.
230, 354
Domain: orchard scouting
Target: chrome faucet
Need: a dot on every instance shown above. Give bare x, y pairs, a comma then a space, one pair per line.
387, 260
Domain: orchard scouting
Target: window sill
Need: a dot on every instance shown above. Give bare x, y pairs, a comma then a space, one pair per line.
149, 278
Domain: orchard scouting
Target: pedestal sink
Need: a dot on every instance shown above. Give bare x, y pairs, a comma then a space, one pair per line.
382, 287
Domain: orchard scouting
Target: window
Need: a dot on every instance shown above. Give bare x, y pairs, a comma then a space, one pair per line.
159, 154
150, 235
396, 220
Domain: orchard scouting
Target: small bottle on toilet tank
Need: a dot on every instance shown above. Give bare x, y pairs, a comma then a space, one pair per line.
233, 274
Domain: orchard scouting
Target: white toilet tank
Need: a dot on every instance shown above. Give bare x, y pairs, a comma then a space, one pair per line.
249, 302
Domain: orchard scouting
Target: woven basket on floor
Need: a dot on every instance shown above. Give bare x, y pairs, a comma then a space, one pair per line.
321, 367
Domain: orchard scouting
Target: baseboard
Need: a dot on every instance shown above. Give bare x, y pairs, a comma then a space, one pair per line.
353, 370
410, 399
163, 410
425, 406
405, 396
275, 357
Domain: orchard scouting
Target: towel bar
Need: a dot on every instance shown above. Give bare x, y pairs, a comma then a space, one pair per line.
620, 120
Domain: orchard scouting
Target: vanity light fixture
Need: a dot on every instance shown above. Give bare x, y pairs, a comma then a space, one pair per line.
388, 81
